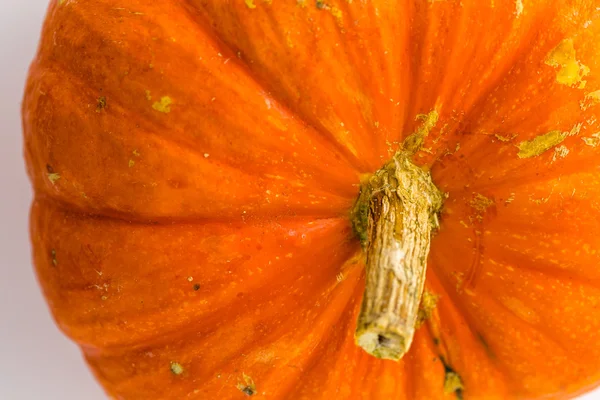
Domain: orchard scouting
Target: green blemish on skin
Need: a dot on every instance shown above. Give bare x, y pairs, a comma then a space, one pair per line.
176, 368
453, 384
163, 105
248, 387
540, 144
101, 104
250, 4
53, 177
571, 71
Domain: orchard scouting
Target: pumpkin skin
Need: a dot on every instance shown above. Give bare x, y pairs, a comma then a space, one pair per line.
195, 163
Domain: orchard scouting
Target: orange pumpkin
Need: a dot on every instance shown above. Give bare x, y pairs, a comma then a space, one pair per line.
206, 170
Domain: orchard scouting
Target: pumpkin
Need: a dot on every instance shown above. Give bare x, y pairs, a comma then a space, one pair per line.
336, 199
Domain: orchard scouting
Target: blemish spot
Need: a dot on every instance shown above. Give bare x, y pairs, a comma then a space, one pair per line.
519, 7
148, 95
196, 287
53, 177
571, 71
414, 142
540, 144
453, 383
176, 368
560, 152
248, 387
53, 255
481, 203
250, 4
592, 141
505, 138
101, 104
590, 100
131, 163
164, 105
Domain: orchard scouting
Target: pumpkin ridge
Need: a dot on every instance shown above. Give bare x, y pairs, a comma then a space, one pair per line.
324, 133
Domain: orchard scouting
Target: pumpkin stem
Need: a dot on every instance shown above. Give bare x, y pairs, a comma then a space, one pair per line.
394, 216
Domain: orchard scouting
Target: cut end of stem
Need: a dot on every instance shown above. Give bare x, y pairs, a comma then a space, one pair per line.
394, 217
382, 343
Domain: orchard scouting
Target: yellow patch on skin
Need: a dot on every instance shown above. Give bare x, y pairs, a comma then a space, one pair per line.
131, 163
414, 142
560, 152
148, 95
571, 71
301, 3
163, 105
53, 177
521, 310
337, 14
176, 368
428, 302
505, 138
519, 7
540, 144
590, 99
593, 141
250, 4
481, 203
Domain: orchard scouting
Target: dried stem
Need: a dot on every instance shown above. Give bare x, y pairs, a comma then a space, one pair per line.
395, 216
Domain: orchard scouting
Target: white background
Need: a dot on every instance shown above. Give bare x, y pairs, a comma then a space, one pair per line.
36, 361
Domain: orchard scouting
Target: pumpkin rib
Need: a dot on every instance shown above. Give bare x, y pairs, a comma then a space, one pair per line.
333, 162
150, 129
324, 133
90, 259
